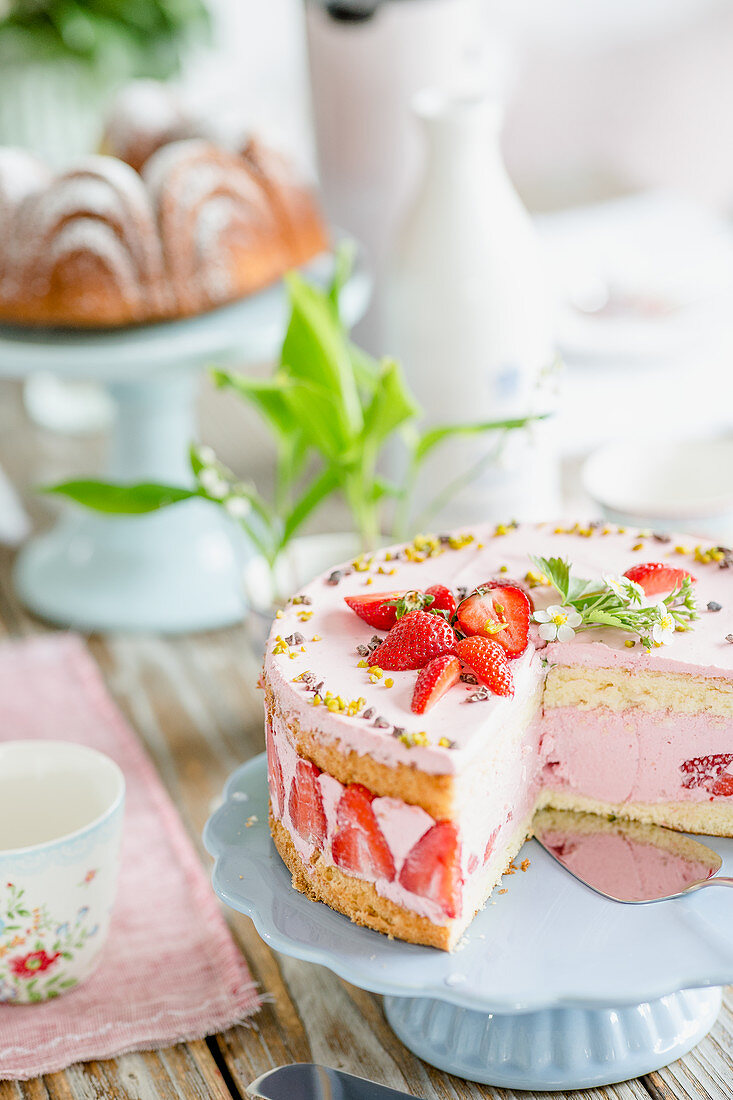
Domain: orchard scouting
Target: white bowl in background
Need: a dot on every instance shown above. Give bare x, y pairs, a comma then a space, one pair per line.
684, 485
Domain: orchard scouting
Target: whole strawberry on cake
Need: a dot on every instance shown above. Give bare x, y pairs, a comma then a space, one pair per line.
424, 702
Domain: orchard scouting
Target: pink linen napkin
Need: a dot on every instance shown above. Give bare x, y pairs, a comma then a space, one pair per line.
170, 970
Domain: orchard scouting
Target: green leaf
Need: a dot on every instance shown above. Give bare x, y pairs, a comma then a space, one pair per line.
317, 410
343, 266
324, 484
435, 436
266, 394
557, 571
391, 406
382, 488
315, 351
365, 368
114, 499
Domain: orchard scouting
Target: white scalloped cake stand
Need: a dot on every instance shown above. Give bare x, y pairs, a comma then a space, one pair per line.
179, 569
552, 987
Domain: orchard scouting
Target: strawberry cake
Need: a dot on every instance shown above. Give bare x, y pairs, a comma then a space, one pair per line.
423, 703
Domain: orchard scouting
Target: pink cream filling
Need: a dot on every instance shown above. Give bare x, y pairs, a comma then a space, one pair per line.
629, 757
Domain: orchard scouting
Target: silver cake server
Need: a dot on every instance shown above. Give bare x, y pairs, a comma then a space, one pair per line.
625, 860
307, 1081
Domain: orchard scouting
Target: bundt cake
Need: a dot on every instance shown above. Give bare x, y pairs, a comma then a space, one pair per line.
153, 229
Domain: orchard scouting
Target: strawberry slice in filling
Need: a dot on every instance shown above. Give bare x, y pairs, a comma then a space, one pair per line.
359, 846
432, 868
305, 805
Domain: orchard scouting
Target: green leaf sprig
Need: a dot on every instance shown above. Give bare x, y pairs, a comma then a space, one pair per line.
618, 602
332, 410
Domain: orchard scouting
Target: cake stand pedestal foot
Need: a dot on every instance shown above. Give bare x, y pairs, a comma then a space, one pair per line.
554, 1049
173, 571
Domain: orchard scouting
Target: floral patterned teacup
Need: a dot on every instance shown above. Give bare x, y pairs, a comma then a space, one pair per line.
61, 807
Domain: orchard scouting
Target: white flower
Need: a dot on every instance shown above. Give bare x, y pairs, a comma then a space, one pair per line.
627, 590
206, 456
237, 507
213, 483
558, 623
663, 629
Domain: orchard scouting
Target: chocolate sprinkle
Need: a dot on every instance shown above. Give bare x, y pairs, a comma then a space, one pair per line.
713, 605
381, 723
468, 678
363, 650
729, 637
368, 713
660, 536
295, 639
335, 577
479, 696
398, 731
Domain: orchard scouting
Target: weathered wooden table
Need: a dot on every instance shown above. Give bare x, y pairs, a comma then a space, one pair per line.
194, 703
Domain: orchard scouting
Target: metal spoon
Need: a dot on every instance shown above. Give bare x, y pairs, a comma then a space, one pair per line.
625, 860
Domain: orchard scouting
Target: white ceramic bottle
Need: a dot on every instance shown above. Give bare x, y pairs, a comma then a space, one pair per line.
470, 315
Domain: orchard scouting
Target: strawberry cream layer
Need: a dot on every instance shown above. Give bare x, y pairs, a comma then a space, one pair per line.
635, 756
439, 870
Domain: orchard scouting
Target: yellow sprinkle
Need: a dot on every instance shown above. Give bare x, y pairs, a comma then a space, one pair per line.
317, 700
629, 643
621, 530
279, 614
316, 638
375, 670
559, 531
304, 616
479, 546
681, 550
389, 682
292, 656
369, 580
503, 568
444, 742
638, 546
361, 664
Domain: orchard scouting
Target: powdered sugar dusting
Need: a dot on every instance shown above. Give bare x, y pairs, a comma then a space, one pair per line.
98, 239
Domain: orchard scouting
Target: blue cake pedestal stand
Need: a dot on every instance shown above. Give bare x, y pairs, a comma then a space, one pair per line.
179, 569
552, 987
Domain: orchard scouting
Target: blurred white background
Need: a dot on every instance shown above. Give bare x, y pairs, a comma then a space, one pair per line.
603, 98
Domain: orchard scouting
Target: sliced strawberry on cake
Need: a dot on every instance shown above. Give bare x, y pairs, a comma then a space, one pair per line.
305, 805
379, 609
413, 641
443, 600
359, 847
656, 577
434, 680
486, 658
500, 611
432, 868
